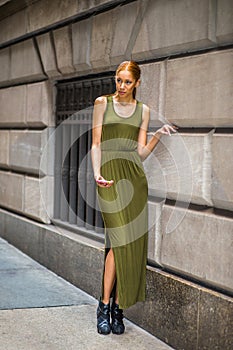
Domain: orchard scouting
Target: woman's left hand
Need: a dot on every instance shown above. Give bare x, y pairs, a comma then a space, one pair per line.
166, 130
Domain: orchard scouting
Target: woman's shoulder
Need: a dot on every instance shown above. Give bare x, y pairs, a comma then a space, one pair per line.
145, 112
101, 100
145, 108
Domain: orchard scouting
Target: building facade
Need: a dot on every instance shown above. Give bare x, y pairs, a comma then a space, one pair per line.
55, 58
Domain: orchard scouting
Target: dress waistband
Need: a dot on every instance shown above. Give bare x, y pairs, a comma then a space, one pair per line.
118, 150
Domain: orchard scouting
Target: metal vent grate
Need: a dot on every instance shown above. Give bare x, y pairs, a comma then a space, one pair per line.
75, 202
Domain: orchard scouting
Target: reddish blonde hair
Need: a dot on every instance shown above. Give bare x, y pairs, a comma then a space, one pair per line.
133, 68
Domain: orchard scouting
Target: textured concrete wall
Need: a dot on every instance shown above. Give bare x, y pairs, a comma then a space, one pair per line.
193, 168
195, 243
47, 55
9, 31
4, 148
27, 195
63, 48
199, 90
29, 105
170, 18
198, 243
180, 168
224, 23
42, 14
181, 313
222, 186
26, 151
185, 52
21, 64
154, 29
193, 91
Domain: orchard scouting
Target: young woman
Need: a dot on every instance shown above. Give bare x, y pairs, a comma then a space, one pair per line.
119, 146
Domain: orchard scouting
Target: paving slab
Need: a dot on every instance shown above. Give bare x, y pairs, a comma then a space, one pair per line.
67, 328
24, 283
41, 311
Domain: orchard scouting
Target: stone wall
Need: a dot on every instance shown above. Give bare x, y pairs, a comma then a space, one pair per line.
181, 313
25, 159
185, 52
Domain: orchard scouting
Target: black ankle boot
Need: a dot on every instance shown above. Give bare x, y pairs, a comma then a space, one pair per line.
103, 318
117, 319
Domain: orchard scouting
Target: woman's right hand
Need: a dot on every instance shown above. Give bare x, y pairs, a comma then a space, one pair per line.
101, 182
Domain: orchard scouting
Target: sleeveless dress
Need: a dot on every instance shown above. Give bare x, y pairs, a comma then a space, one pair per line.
124, 204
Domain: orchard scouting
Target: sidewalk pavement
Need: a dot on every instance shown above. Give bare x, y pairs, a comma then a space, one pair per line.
41, 311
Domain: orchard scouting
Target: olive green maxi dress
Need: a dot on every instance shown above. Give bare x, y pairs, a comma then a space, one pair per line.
124, 204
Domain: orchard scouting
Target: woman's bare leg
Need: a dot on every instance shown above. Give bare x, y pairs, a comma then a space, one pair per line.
116, 297
109, 276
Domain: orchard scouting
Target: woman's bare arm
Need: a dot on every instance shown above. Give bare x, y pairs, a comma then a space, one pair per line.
144, 147
98, 116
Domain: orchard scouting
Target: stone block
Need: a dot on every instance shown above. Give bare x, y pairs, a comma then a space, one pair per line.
101, 39
44, 13
84, 5
63, 49
199, 90
175, 27
215, 322
5, 62
73, 258
81, 43
8, 29
47, 54
4, 148
170, 311
28, 195
180, 168
154, 224
40, 105
222, 185
25, 63
13, 106
26, 237
224, 31
27, 105
47, 152
150, 94
128, 23
198, 244
11, 190
38, 198
26, 151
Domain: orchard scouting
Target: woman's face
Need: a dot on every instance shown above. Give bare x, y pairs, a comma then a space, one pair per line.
125, 84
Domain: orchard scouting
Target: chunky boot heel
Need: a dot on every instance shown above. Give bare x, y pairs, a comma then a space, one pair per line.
103, 318
117, 319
